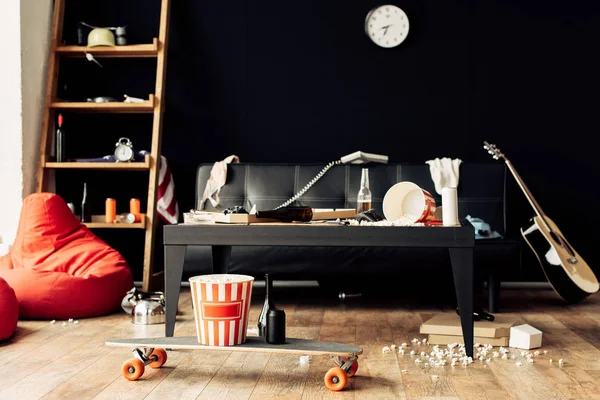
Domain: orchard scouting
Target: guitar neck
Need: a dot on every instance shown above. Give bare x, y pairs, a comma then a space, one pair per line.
534, 204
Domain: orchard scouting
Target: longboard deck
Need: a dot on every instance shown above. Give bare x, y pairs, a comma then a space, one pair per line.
252, 344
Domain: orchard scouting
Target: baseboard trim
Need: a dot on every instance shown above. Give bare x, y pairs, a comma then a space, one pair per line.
306, 284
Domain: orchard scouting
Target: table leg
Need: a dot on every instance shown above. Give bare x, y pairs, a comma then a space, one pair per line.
462, 269
174, 260
220, 259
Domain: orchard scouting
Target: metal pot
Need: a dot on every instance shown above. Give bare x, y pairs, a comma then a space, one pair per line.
149, 311
144, 308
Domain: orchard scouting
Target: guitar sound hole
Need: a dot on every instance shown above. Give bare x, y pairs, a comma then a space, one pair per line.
563, 243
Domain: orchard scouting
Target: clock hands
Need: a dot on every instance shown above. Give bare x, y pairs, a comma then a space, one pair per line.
386, 28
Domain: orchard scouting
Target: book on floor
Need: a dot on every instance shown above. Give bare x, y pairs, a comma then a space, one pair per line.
449, 339
449, 324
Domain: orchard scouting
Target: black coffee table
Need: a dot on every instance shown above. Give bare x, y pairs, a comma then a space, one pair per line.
458, 240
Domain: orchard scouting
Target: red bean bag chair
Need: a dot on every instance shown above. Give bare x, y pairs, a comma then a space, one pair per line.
58, 268
9, 310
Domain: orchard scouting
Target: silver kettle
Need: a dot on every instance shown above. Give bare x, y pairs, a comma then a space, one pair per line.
145, 308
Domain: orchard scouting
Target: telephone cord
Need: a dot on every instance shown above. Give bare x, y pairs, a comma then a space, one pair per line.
309, 184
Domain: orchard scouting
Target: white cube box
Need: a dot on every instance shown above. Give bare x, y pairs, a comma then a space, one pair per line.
525, 337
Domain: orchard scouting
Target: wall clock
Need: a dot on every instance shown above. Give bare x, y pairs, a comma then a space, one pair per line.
386, 25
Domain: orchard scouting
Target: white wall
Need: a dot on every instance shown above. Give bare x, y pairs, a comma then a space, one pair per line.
11, 130
25, 32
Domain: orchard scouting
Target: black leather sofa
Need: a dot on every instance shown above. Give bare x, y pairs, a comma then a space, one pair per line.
481, 193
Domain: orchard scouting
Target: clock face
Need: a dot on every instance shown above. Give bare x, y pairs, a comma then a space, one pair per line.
387, 26
123, 153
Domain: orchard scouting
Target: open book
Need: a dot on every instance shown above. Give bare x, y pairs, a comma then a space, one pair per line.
360, 157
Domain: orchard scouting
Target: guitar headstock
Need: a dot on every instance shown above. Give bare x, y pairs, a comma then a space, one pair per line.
494, 151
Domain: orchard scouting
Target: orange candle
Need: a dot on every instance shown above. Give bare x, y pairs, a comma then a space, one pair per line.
134, 207
110, 210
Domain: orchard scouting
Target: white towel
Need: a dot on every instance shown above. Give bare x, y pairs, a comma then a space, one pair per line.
217, 179
444, 173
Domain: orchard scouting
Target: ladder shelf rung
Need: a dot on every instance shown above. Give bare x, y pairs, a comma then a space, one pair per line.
147, 106
129, 51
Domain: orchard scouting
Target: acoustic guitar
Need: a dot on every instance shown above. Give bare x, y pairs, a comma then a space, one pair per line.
569, 275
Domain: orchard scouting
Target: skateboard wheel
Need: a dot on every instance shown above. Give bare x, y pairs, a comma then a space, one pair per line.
132, 369
161, 358
336, 379
352, 369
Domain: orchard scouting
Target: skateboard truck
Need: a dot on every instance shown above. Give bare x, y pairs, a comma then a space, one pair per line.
146, 355
344, 362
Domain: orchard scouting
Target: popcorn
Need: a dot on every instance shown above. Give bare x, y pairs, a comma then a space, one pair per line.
434, 377
488, 359
385, 350
64, 323
536, 353
453, 362
70, 320
424, 341
550, 361
504, 357
53, 321
417, 361
519, 363
75, 322
561, 362
426, 364
495, 354
513, 357
403, 344
415, 340
422, 354
401, 351
412, 352
530, 360
404, 370
304, 360
545, 351
480, 358
393, 346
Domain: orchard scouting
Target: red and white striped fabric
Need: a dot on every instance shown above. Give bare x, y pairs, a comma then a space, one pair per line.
166, 205
221, 309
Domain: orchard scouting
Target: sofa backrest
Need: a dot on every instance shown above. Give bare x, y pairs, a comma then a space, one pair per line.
481, 189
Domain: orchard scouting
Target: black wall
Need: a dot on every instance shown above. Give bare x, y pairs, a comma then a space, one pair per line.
274, 81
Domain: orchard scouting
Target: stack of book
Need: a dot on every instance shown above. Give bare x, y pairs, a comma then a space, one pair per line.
445, 329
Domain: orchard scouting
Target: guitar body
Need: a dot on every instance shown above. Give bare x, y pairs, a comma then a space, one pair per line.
567, 272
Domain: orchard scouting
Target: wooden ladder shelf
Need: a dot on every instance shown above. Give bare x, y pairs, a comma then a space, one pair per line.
154, 104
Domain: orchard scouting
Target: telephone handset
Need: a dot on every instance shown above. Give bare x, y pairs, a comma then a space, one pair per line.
357, 157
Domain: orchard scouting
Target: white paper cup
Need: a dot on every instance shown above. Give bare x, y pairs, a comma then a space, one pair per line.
407, 198
221, 303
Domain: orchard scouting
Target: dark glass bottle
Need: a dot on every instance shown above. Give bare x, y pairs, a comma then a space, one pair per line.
60, 141
262, 318
86, 208
288, 214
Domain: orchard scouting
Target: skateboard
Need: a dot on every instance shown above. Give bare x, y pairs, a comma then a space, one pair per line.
151, 351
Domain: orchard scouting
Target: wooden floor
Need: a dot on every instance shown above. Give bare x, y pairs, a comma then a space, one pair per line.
50, 361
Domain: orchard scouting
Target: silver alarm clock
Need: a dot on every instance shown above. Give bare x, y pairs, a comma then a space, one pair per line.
124, 150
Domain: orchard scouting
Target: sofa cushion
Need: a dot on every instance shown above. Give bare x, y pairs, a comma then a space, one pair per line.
9, 310
58, 268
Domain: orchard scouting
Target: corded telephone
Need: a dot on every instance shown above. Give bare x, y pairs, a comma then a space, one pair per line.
357, 157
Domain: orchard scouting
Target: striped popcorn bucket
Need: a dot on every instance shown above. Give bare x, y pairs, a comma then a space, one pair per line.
407, 198
221, 303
